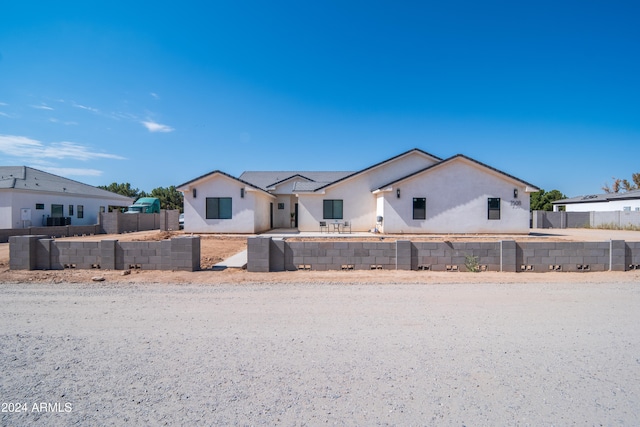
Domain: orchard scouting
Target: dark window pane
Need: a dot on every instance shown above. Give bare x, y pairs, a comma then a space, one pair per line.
332, 209
218, 208
420, 208
337, 209
494, 208
225, 208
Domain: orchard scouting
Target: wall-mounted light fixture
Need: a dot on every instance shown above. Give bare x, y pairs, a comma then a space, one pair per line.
398, 193
195, 193
242, 193
515, 193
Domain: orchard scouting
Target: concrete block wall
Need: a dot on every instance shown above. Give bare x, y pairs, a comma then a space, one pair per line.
632, 255
564, 256
334, 255
169, 220
184, 253
258, 249
265, 254
40, 252
577, 219
57, 231
621, 219
23, 252
117, 222
440, 256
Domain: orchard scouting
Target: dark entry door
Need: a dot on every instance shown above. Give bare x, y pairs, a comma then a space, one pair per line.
270, 215
296, 217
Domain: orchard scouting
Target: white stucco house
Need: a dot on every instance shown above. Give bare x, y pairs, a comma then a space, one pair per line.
413, 192
608, 202
30, 197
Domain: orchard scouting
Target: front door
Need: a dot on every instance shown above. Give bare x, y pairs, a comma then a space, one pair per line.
270, 215
296, 215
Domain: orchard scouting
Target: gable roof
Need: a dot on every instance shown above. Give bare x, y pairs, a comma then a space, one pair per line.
600, 198
267, 179
25, 178
354, 174
451, 159
217, 171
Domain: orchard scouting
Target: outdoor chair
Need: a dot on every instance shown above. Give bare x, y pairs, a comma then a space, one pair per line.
346, 225
323, 224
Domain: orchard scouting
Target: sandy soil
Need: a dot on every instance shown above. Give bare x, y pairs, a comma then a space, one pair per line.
303, 354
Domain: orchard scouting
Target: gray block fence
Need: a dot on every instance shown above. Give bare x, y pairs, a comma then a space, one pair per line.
108, 223
43, 253
608, 219
266, 254
117, 222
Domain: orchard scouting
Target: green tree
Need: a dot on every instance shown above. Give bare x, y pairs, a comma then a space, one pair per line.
123, 189
623, 185
170, 198
542, 200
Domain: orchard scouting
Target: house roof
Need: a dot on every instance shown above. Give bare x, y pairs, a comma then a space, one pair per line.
354, 174
25, 178
319, 180
267, 179
600, 198
450, 159
217, 171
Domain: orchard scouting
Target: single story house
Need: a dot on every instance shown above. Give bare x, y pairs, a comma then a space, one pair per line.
413, 192
30, 197
608, 202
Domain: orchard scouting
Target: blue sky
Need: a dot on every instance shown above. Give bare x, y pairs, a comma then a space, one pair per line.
157, 93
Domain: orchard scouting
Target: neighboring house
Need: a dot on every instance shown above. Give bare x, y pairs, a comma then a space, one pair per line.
413, 192
30, 197
628, 201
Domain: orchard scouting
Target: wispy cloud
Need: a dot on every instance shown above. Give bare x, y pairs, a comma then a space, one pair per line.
154, 95
84, 107
27, 148
41, 107
72, 171
54, 120
9, 116
156, 127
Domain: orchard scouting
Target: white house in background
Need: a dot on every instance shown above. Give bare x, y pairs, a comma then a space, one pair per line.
29, 196
413, 192
628, 201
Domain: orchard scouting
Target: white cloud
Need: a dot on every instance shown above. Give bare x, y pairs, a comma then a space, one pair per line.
41, 107
72, 171
9, 116
20, 146
54, 120
154, 95
156, 127
84, 107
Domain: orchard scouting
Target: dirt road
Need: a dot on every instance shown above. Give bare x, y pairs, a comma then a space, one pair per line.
303, 354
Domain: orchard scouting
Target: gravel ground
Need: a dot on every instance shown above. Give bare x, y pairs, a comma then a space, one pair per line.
304, 354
